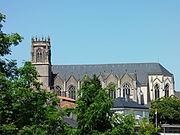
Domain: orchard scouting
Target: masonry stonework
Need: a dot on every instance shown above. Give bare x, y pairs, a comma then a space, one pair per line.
141, 82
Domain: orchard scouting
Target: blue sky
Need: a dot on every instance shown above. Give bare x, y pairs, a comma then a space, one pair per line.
99, 31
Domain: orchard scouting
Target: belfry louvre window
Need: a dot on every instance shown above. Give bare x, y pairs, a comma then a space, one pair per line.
156, 88
39, 55
126, 90
72, 92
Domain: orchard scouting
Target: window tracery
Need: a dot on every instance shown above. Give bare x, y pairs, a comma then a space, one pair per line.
126, 90
166, 89
156, 88
72, 92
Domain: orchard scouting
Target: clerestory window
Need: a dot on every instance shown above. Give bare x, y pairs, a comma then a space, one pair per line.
166, 89
156, 88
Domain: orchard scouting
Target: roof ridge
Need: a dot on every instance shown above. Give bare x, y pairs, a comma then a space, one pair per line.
107, 64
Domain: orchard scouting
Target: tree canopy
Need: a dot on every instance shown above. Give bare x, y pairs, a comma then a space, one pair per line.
93, 111
7, 40
167, 109
94, 114
147, 128
25, 108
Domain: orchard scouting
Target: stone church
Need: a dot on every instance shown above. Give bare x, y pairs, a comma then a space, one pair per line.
141, 82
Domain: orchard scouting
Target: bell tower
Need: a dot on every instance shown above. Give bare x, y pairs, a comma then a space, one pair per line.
41, 59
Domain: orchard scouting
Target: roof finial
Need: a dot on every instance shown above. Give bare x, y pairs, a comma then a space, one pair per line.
32, 38
36, 37
48, 38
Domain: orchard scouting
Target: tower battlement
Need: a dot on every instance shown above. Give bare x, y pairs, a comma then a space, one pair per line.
41, 52
38, 39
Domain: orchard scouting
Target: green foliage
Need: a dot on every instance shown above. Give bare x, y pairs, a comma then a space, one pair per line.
8, 67
7, 40
93, 111
168, 110
147, 128
24, 108
94, 115
122, 125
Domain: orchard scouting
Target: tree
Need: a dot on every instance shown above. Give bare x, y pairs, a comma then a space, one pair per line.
167, 109
93, 111
147, 128
25, 108
94, 115
7, 40
122, 125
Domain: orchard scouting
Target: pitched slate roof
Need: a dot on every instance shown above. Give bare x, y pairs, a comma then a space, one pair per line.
141, 70
123, 103
177, 94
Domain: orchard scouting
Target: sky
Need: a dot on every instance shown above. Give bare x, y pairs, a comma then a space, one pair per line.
98, 31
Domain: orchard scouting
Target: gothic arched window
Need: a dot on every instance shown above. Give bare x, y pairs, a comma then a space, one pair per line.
126, 90
59, 90
156, 88
72, 92
39, 55
112, 91
166, 89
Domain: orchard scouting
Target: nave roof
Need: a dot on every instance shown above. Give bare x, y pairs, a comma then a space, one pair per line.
136, 70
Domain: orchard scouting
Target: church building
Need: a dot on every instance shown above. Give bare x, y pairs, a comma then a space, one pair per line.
140, 82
